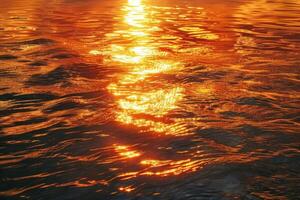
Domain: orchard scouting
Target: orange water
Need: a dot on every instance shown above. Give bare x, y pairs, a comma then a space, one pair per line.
145, 99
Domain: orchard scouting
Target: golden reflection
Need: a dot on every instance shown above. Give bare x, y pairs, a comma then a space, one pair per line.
152, 163
148, 99
205, 90
127, 59
173, 128
126, 189
139, 104
125, 152
136, 14
199, 33
156, 103
174, 168
94, 52
164, 168
144, 103
134, 2
144, 59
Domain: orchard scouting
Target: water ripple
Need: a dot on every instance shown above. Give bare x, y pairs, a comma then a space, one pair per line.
149, 100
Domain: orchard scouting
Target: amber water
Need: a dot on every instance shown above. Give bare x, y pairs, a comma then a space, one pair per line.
145, 99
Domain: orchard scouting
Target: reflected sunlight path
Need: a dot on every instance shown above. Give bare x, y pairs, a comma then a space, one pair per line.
143, 59
144, 99
143, 103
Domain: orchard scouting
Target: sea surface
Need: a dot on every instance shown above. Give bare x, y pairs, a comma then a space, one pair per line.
150, 100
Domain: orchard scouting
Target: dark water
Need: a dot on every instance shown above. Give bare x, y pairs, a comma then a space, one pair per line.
144, 99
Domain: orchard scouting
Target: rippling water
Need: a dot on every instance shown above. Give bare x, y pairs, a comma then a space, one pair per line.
144, 99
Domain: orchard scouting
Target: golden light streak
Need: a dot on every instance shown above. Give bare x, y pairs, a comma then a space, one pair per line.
138, 105
143, 59
134, 2
125, 152
165, 168
153, 163
94, 52
127, 58
199, 32
176, 168
158, 67
176, 129
126, 189
156, 103
136, 14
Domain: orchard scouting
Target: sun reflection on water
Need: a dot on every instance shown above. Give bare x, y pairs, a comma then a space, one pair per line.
144, 95
139, 104
142, 105
126, 189
125, 152
144, 59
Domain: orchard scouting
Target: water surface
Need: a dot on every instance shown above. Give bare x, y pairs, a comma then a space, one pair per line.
144, 99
